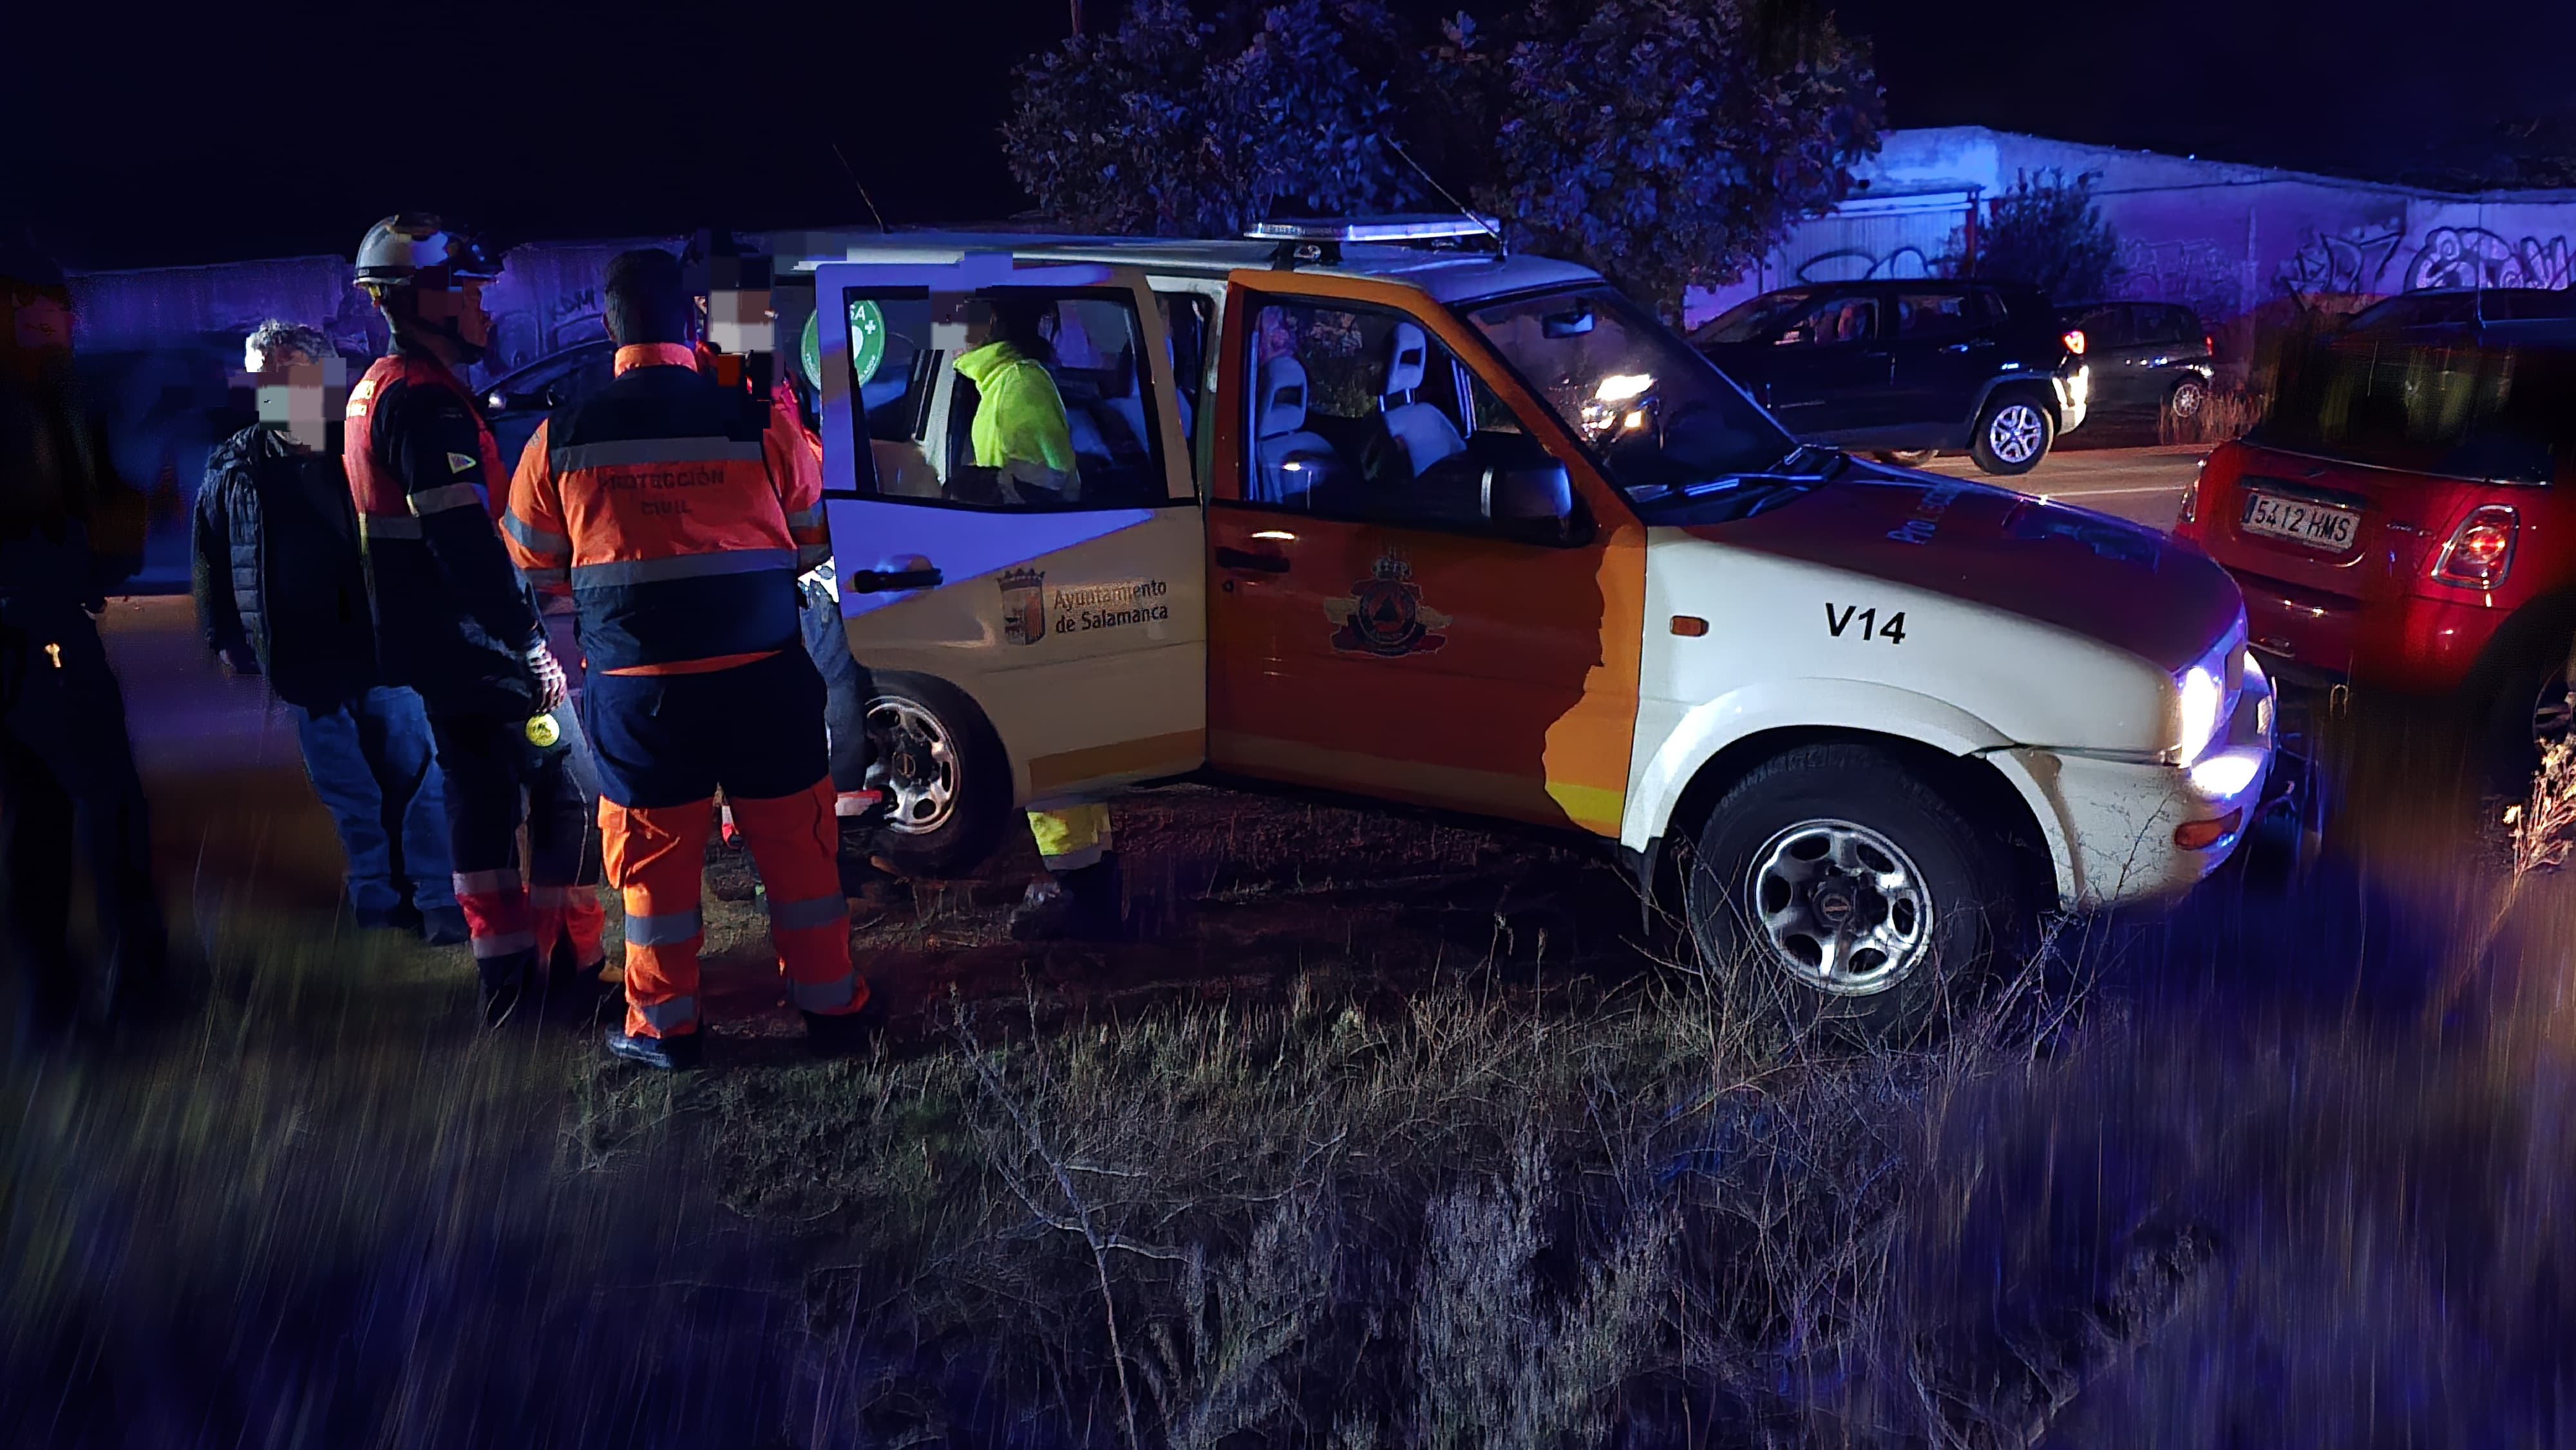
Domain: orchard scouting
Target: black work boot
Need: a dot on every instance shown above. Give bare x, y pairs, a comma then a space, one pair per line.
1045, 911
576, 994
665, 1054
1085, 904
1099, 900
505, 981
843, 1033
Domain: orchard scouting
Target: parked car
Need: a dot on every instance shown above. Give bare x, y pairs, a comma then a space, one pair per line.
2149, 360
1909, 368
517, 403
1478, 534
2439, 313
2395, 520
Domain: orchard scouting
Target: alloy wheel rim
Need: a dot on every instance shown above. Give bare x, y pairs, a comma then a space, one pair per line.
2014, 435
1842, 908
2186, 400
912, 760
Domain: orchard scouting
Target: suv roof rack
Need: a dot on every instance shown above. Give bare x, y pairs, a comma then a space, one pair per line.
1319, 240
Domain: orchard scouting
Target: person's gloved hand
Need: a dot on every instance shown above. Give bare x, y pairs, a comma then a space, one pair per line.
547, 674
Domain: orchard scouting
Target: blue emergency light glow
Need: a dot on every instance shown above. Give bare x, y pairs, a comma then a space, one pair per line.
1433, 228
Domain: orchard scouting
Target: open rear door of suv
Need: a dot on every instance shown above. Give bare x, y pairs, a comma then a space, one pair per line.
1020, 530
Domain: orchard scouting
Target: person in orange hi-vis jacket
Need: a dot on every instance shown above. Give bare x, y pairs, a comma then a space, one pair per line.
679, 514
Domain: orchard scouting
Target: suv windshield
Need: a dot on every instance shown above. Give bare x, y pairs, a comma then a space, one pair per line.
2457, 411
1658, 417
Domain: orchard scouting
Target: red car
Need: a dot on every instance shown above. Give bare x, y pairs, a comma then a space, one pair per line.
2400, 518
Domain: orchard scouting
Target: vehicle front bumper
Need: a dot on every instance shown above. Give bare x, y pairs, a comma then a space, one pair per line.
2074, 397
2118, 818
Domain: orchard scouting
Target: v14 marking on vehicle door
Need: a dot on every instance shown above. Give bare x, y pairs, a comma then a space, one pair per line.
1434, 665
1078, 624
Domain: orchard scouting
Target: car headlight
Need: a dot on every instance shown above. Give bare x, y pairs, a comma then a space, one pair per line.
2202, 693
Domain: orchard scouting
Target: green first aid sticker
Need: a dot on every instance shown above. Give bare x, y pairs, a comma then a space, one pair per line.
867, 342
809, 351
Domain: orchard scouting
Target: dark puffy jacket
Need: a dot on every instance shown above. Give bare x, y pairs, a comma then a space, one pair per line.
277, 571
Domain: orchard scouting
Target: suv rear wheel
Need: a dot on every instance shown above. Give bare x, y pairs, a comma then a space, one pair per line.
2013, 434
2188, 400
1846, 888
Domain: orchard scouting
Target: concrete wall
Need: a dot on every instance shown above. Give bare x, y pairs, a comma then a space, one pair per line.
2229, 241
158, 350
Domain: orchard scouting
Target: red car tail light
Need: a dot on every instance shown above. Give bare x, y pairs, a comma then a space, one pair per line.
2480, 550
2074, 341
2209, 344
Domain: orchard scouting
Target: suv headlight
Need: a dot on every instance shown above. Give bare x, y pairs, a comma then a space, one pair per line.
2206, 692
2202, 694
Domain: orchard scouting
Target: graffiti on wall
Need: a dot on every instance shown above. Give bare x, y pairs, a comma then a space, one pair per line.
2476, 257
2378, 260
2352, 261
2197, 273
1857, 264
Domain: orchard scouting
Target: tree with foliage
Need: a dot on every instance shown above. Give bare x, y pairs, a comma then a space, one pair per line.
1666, 143
2049, 232
1174, 126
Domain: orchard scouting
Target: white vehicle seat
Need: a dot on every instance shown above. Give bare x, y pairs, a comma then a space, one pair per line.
1280, 426
1421, 434
1129, 404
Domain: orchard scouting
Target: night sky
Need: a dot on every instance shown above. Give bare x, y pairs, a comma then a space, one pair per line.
134, 136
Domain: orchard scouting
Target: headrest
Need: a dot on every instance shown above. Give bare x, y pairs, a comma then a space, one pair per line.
1283, 397
1404, 353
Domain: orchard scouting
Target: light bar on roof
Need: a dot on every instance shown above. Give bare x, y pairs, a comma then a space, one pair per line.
1379, 229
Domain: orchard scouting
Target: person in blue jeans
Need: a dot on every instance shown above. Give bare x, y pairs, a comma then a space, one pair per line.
280, 593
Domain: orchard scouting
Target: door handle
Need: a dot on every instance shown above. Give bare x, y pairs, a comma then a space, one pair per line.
1228, 558
910, 571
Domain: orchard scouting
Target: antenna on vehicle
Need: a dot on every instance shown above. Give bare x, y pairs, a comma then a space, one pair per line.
1502, 249
862, 189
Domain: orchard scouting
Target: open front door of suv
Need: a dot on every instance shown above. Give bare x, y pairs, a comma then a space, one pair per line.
1015, 524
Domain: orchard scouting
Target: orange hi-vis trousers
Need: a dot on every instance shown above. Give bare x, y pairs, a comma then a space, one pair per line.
655, 856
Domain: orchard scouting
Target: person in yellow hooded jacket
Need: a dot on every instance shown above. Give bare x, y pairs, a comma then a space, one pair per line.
1020, 433
1019, 430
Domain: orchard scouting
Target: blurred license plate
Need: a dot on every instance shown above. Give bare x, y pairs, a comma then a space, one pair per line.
2317, 525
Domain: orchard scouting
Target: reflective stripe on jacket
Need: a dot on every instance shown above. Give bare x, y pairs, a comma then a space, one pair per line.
677, 512
452, 618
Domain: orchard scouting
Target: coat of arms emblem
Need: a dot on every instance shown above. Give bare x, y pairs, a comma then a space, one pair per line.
1384, 614
1024, 619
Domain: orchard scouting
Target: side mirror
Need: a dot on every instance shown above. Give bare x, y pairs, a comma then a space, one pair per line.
1527, 492
1541, 496
1573, 323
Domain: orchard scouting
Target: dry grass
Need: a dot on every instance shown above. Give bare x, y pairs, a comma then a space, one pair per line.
2224, 416
1488, 1215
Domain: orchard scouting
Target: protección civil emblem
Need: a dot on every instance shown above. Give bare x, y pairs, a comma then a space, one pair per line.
1024, 618
1384, 614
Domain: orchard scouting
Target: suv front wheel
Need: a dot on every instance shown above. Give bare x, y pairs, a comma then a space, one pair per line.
1843, 886
2013, 434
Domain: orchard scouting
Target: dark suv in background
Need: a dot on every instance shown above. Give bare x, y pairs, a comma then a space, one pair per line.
1904, 369
2150, 360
